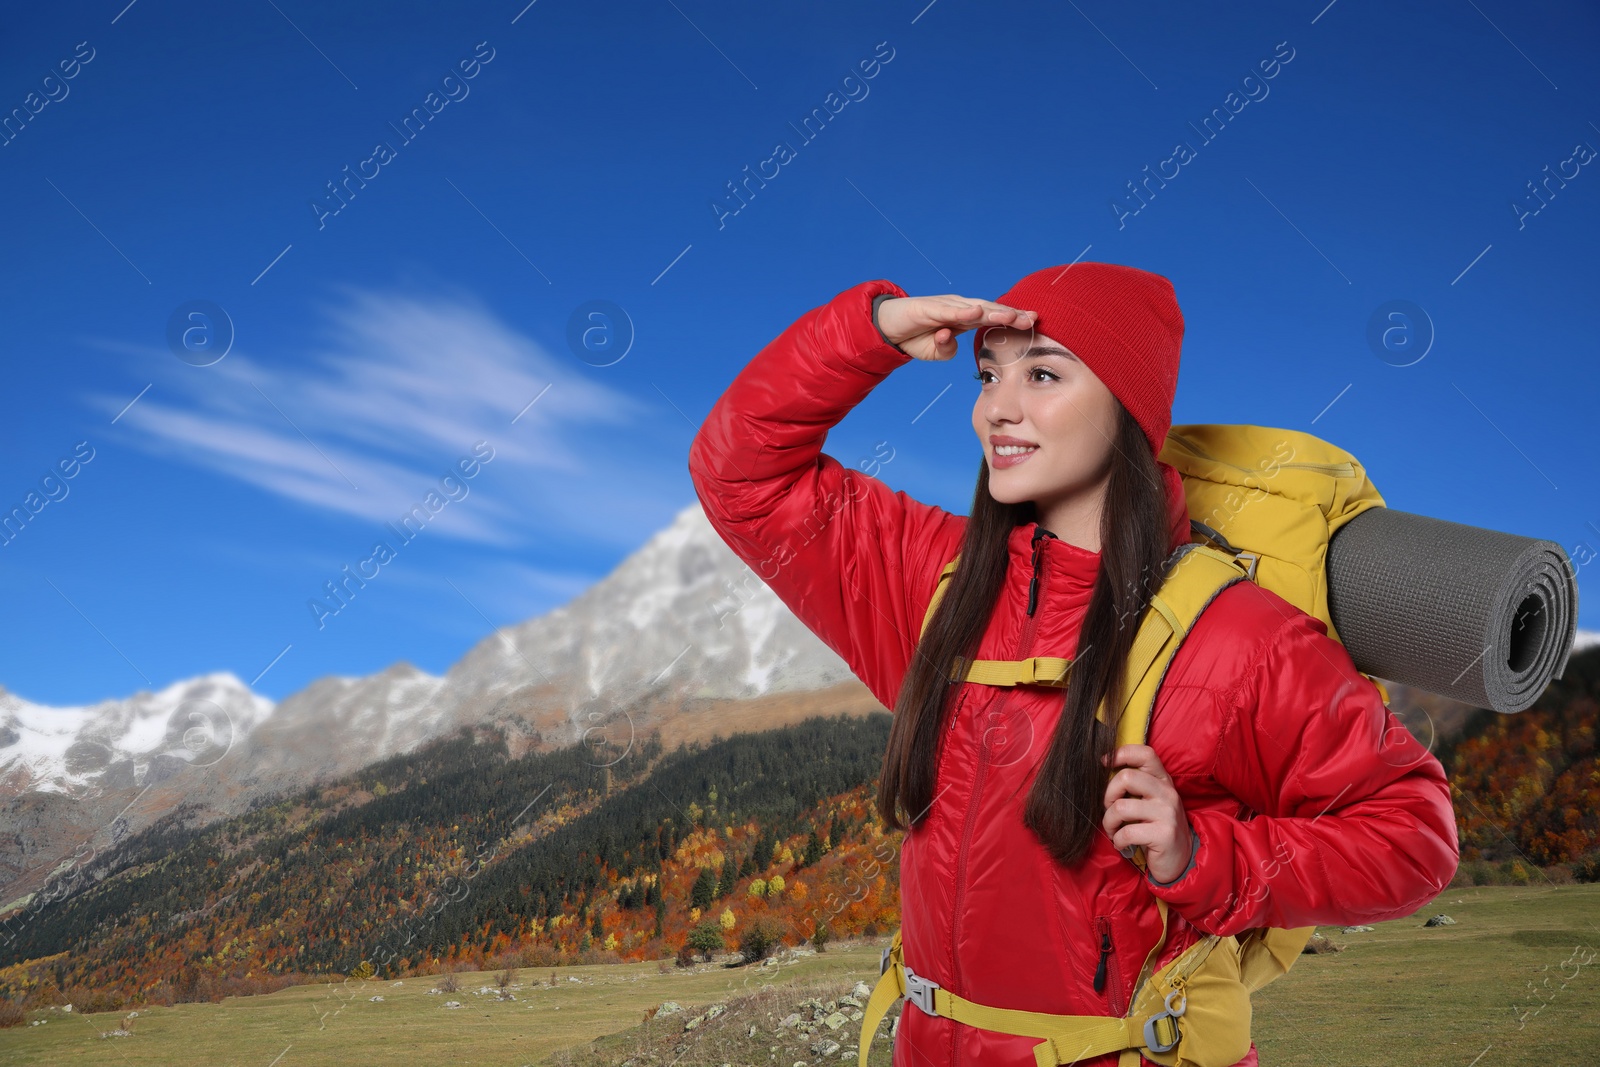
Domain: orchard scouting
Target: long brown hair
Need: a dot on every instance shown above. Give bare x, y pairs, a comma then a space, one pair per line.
1065, 804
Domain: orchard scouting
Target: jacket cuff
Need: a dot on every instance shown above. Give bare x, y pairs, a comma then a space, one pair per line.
1194, 855
1207, 894
845, 329
880, 298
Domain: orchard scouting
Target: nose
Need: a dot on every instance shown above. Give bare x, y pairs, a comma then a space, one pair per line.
1000, 402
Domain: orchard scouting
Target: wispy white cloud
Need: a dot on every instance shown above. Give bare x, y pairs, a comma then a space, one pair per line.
396, 388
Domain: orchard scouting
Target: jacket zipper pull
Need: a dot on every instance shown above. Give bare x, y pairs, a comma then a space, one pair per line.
1039, 533
1100, 971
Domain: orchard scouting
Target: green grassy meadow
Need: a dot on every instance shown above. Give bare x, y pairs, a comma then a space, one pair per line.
1515, 981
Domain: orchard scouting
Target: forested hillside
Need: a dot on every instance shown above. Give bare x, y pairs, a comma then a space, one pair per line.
458, 853
1528, 785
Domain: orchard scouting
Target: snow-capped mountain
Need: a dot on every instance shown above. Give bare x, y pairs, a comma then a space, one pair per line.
682, 617
131, 741
680, 626
680, 622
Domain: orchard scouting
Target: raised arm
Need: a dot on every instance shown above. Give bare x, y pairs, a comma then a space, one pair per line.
1355, 823
855, 561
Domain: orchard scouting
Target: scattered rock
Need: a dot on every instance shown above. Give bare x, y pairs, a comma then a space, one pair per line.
1356, 929
1440, 920
850, 1002
825, 1047
376, 1000
119, 1032
835, 1020
692, 1023
792, 1019
715, 1010
452, 1003
669, 1007
856, 1015
1319, 944
861, 991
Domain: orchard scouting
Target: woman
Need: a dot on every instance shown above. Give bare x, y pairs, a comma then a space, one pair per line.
1276, 788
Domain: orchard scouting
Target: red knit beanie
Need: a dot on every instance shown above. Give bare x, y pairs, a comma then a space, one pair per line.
1124, 324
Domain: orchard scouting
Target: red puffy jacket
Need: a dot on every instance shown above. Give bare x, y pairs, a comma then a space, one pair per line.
1312, 804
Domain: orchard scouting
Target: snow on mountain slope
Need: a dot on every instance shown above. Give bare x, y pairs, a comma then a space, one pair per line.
74, 750
682, 617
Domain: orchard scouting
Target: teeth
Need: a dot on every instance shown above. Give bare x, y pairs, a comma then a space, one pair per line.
1014, 450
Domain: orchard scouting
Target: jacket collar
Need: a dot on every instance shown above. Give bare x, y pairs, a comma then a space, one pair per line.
1066, 568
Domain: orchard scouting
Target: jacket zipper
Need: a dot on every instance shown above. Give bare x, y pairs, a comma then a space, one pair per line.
1028, 631
1108, 966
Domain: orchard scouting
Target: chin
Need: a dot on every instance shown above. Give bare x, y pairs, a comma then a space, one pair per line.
1008, 493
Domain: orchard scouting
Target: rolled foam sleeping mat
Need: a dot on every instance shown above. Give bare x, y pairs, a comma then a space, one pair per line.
1476, 615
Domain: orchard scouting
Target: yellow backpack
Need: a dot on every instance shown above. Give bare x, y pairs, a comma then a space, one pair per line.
1270, 500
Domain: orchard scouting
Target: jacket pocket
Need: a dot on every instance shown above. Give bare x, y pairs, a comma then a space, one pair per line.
947, 733
1108, 968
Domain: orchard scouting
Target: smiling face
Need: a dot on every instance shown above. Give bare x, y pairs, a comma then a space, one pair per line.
1048, 427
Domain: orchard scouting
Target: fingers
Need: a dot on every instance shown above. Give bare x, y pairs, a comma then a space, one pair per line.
1138, 758
1131, 810
1135, 833
961, 313
1139, 784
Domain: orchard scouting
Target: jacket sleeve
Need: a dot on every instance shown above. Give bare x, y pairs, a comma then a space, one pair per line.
1355, 821
855, 561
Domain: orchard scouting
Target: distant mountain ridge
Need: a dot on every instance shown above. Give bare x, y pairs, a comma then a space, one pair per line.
680, 630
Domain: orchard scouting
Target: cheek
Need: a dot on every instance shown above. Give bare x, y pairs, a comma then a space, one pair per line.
1075, 423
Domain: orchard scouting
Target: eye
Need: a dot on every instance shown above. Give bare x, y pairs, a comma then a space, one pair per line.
1036, 370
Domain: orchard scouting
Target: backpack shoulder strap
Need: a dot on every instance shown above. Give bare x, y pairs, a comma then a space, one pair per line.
1194, 579
1264, 954
938, 593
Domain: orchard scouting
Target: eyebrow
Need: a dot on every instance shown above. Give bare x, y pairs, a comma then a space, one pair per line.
1032, 353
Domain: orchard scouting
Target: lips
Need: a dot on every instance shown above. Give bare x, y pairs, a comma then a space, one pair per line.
1009, 451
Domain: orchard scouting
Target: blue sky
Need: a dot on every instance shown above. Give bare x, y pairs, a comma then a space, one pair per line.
571, 153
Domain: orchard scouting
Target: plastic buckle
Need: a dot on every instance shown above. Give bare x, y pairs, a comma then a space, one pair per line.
1250, 570
919, 991
1154, 1043
883, 964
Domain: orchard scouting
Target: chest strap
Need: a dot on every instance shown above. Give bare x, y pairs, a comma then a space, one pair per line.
1064, 1039
1037, 670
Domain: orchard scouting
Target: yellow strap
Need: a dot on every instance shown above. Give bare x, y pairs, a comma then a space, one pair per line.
1066, 1039
938, 593
890, 988
1037, 670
